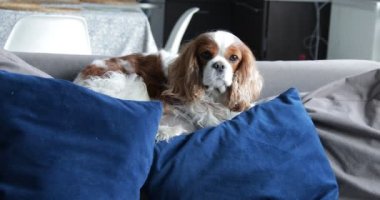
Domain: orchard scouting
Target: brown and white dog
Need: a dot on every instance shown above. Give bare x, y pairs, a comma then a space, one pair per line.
213, 78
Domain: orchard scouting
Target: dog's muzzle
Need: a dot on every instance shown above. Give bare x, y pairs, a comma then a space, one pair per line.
218, 66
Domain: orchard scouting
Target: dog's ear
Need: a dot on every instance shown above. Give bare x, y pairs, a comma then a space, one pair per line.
247, 83
184, 78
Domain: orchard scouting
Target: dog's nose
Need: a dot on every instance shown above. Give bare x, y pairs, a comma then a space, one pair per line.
218, 66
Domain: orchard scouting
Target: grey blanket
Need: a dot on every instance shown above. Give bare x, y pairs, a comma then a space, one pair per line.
347, 116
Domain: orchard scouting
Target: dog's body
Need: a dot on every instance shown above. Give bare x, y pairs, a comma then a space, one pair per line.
212, 79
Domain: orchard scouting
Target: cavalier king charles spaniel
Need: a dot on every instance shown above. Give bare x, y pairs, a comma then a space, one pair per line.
212, 79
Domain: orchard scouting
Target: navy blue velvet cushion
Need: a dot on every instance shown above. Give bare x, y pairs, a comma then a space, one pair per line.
271, 151
61, 141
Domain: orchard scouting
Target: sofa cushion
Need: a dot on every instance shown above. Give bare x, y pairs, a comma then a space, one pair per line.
271, 151
62, 141
346, 114
12, 63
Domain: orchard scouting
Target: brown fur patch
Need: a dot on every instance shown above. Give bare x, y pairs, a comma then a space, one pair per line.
233, 50
205, 44
94, 70
244, 89
148, 67
151, 70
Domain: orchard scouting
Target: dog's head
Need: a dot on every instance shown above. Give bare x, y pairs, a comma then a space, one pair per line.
219, 64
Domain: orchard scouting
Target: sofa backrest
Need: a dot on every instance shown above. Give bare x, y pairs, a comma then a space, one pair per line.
278, 75
308, 75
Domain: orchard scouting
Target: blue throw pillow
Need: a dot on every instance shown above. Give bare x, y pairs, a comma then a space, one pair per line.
62, 141
271, 151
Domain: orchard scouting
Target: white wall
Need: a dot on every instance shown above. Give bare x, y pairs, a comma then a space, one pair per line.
354, 30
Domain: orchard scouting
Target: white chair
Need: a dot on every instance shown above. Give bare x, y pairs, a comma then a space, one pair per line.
176, 35
62, 34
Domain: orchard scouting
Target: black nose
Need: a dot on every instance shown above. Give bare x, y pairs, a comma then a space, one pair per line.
218, 66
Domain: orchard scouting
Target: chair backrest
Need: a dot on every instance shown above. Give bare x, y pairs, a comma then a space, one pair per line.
62, 34
176, 35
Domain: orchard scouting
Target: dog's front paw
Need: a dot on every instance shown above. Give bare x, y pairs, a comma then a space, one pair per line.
165, 132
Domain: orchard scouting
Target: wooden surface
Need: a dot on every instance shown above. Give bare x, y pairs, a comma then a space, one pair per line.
109, 1
33, 7
41, 1
48, 5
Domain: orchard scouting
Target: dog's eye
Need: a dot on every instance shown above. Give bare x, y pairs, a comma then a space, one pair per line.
206, 55
234, 58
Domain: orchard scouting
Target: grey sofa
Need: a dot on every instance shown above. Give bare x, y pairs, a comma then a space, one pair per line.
278, 75
350, 139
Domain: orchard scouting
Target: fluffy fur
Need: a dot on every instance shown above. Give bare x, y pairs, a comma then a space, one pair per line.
213, 78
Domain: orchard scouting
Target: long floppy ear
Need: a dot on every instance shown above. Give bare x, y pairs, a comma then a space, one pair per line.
247, 83
184, 78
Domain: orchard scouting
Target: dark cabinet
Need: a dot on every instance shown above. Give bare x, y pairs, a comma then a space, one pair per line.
274, 30
212, 15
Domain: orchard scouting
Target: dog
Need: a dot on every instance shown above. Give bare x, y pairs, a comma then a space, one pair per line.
212, 79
